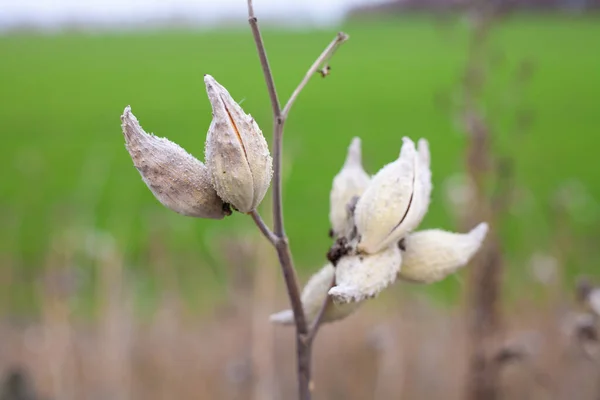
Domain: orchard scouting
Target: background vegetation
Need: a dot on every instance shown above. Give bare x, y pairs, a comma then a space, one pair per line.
65, 165
71, 202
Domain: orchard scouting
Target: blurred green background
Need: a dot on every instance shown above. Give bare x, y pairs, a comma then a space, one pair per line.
65, 166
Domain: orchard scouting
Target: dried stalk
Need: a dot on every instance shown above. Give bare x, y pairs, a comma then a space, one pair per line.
304, 335
484, 322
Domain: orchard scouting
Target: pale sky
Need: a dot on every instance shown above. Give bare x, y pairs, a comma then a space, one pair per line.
51, 14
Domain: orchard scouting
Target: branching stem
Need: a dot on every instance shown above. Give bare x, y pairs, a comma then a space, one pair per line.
277, 236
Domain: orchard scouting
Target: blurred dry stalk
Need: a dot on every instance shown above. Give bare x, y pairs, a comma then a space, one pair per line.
484, 168
304, 334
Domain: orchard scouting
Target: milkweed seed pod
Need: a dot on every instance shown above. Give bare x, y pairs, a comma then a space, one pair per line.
177, 179
383, 213
313, 296
237, 154
423, 185
419, 205
351, 181
589, 296
362, 276
432, 255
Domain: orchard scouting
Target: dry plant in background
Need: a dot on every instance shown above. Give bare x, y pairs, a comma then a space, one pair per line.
491, 187
372, 218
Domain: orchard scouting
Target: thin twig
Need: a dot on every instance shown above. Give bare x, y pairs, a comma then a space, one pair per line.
323, 59
264, 62
277, 123
263, 227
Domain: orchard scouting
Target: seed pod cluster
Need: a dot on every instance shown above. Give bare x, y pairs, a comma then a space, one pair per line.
373, 219
382, 246
238, 166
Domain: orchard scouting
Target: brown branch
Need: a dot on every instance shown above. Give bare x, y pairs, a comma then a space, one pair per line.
264, 62
304, 337
264, 229
283, 251
323, 59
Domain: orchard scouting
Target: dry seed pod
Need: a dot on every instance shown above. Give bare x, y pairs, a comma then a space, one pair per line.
359, 277
313, 296
432, 255
423, 181
589, 295
177, 179
352, 180
421, 192
382, 209
237, 153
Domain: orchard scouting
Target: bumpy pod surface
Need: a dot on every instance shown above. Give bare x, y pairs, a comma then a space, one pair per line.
236, 152
362, 276
177, 179
432, 255
383, 208
421, 190
351, 181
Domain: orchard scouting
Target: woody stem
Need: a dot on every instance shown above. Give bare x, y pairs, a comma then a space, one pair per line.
304, 336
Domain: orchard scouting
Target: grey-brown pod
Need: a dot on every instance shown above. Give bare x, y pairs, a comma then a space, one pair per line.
236, 152
177, 179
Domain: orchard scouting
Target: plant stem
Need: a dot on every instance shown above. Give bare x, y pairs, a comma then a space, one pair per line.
282, 246
264, 229
483, 317
304, 336
321, 60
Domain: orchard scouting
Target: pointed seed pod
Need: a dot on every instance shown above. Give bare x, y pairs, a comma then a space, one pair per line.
382, 209
351, 181
177, 179
432, 255
237, 153
421, 191
313, 296
359, 277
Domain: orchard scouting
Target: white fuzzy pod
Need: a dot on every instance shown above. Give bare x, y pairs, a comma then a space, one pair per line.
351, 181
432, 255
236, 151
383, 208
593, 300
313, 296
359, 277
177, 179
423, 186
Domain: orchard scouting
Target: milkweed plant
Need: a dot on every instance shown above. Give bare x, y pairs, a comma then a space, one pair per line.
373, 218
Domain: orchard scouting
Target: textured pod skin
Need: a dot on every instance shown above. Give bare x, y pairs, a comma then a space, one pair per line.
177, 179
383, 207
313, 296
351, 181
359, 277
421, 191
593, 301
432, 255
236, 151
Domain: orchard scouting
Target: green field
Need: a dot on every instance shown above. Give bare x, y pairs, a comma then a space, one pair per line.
64, 162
